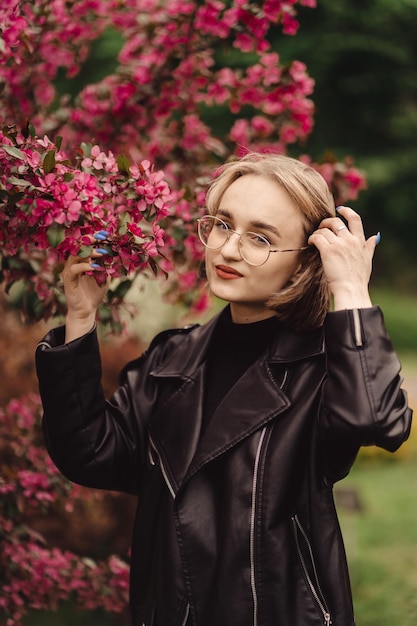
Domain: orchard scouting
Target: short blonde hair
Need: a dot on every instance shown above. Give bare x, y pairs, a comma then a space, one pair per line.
305, 301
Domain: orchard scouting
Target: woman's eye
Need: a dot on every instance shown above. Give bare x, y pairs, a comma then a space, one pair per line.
258, 240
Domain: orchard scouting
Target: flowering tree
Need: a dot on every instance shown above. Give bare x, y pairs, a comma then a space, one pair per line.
172, 71
37, 576
194, 84
52, 208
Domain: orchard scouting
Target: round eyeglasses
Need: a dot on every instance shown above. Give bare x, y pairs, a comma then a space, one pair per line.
254, 248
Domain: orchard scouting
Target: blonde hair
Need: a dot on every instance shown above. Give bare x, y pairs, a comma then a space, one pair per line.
305, 301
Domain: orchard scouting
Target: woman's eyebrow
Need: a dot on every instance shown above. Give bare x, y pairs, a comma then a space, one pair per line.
253, 224
263, 226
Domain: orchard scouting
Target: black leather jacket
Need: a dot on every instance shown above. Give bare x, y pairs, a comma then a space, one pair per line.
237, 527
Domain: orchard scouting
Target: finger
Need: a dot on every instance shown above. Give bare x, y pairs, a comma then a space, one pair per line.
76, 266
321, 238
353, 219
372, 243
101, 235
333, 225
328, 231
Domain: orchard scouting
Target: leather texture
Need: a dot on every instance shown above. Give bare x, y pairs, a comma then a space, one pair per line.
236, 525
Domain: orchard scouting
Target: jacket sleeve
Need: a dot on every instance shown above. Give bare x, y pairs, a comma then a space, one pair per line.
363, 401
92, 442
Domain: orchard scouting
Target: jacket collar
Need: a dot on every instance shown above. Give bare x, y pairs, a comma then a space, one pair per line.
176, 427
286, 346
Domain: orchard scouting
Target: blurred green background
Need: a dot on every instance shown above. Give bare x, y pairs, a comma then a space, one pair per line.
362, 55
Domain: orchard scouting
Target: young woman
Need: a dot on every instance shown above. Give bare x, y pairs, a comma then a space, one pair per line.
233, 433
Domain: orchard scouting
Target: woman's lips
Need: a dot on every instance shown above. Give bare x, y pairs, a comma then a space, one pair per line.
227, 273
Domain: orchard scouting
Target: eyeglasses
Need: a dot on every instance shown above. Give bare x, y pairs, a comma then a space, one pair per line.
254, 248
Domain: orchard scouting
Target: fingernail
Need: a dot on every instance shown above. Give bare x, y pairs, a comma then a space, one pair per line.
102, 251
100, 236
95, 265
339, 207
104, 232
378, 238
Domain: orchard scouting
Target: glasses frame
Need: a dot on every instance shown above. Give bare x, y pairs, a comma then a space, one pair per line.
229, 231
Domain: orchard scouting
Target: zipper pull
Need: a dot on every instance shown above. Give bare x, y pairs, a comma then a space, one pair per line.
327, 620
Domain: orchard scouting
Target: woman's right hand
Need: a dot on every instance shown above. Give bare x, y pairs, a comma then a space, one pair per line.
83, 294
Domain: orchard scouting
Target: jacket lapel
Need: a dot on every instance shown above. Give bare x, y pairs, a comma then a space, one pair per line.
256, 399
250, 404
175, 427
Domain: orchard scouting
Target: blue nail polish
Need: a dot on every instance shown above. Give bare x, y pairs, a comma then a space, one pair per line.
99, 236
102, 251
378, 238
104, 232
94, 265
339, 207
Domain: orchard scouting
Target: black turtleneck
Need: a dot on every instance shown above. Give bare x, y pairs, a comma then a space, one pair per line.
234, 347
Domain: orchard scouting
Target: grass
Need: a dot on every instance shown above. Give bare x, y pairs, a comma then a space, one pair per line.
381, 542
67, 615
400, 312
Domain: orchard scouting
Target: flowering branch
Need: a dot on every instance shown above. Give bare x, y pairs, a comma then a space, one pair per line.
41, 577
50, 208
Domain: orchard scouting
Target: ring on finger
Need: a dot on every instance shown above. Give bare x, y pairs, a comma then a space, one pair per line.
340, 228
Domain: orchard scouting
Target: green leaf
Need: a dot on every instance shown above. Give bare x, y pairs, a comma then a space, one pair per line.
15, 197
123, 164
122, 230
85, 251
14, 152
122, 288
49, 161
19, 182
58, 142
86, 148
153, 265
55, 234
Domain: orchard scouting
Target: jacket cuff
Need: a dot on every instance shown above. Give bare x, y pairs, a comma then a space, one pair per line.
353, 328
55, 338
55, 359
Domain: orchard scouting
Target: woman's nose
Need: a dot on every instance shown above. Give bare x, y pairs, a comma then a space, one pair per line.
231, 249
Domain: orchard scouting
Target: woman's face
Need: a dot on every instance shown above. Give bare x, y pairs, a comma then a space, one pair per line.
257, 204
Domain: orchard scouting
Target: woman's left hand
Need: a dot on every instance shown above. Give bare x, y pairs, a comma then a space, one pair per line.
347, 258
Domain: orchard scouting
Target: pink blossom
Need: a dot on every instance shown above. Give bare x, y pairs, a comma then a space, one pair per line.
149, 107
59, 208
239, 131
188, 280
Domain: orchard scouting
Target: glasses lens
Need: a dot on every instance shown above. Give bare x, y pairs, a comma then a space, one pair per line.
254, 248
212, 231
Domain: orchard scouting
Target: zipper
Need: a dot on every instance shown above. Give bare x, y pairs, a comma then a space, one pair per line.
314, 586
252, 526
44, 344
163, 470
253, 515
187, 613
357, 328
